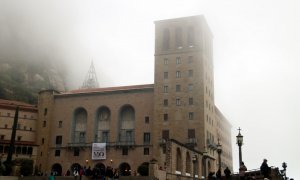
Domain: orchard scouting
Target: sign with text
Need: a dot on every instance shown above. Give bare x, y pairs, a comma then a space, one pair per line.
99, 151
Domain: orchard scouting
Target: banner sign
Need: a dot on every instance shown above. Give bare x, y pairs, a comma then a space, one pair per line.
99, 151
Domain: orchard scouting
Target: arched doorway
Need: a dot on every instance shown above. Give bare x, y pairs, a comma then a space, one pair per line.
75, 166
56, 169
100, 168
125, 169
143, 169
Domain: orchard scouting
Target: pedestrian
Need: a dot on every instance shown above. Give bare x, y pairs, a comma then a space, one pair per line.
218, 174
116, 174
265, 169
227, 173
80, 173
75, 173
242, 171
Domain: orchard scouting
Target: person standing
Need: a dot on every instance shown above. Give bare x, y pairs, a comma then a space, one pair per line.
265, 169
242, 171
227, 173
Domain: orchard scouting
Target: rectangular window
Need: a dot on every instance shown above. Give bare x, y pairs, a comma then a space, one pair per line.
190, 87
147, 120
18, 126
60, 124
166, 102
58, 140
178, 60
191, 101
57, 152
166, 75
129, 136
44, 123
45, 111
165, 89
5, 126
147, 138
166, 117
191, 73
190, 59
191, 115
125, 151
178, 102
2, 137
191, 133
146, 151
43, 140
76, 151
166, 61
178, 74
19, 138
105, 136
178, 88
165, 134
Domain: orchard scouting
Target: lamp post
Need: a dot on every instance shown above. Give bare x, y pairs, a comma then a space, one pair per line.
194, 159
239, 141
284, 166
219, 150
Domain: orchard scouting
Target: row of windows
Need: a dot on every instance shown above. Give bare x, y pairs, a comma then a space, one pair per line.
18, 138
25, 116
178, 60
178, 38
209, 120
178, 74
178, 102
25, 150
190, 134
19, 127
178, 88
190, 116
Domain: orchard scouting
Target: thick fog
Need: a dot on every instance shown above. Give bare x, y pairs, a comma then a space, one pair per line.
256, 57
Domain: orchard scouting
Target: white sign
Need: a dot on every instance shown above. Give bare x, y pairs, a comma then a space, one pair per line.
99, 151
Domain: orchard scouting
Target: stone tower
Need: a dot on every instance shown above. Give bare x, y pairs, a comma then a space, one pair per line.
183, 87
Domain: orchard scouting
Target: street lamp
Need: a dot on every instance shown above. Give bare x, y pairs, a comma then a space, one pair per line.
194, 159
219, 150
239, 141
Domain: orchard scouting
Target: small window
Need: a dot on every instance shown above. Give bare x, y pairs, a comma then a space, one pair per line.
146, 151
44, 123
165, 75
191, 73
25, 128
147, 138
165, 89
5, 126
147, 119
190, 59
178, 88
191, 115
76, 151
60, 124
41, 153
24, 150
58, 140
190, 87
45, 111
166, 117
178, 60
165, 134
1, 149
166, 102
18, 126
178, 74
18, 150
19, 138
191, 101
2, 137
57, 152
125, 151
178, 102
166, 62
191, 133
30, 129
43, 140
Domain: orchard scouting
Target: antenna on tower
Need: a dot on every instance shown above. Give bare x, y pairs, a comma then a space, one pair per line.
90, 79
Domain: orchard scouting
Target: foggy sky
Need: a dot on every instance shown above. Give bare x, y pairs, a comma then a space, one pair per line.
256, 57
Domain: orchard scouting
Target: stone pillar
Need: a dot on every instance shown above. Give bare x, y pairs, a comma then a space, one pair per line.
153, 168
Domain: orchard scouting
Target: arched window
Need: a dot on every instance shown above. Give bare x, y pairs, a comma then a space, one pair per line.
178, 38
166, 39
127, 125
191, 37
188, 163
79, 126
178, 160
102, 125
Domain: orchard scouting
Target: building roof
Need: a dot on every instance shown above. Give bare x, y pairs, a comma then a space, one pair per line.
109, 89
11, 104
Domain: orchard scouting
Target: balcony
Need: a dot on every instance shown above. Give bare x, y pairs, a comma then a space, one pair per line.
211, 144
191, 142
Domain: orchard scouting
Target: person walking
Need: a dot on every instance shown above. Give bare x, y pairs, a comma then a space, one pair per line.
227, 173
265, 169
242, 171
